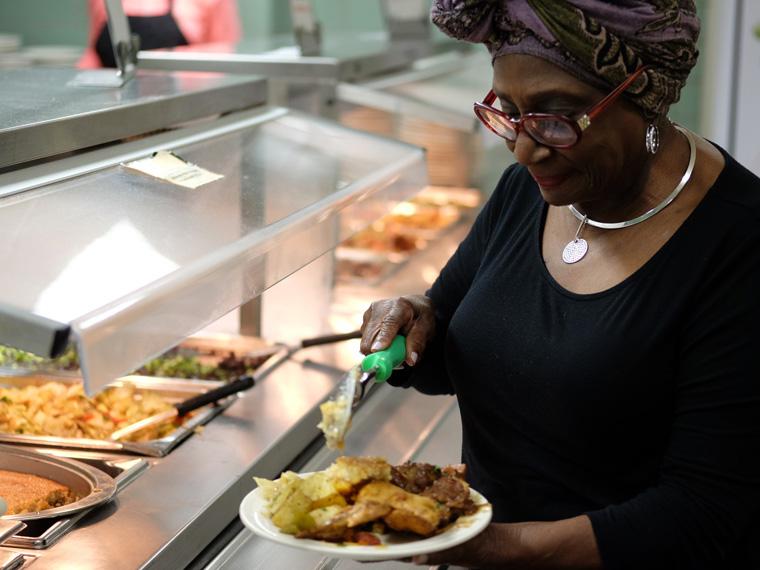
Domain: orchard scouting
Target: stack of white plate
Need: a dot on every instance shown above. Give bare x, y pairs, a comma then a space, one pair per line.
53, 55
9, 42
14, 60
10, 57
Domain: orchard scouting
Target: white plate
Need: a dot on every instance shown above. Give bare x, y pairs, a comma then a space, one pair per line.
253, 514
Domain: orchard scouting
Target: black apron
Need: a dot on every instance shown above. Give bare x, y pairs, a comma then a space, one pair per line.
154, 31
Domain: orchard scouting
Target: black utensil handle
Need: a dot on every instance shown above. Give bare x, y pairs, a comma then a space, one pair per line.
214, 395
327, 339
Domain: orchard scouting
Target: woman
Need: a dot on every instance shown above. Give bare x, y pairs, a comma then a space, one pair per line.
162, 23
599, 323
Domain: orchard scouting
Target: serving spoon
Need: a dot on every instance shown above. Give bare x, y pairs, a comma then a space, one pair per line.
337, 411
182, 408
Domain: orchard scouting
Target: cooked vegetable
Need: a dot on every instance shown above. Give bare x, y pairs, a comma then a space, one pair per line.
62, 410
15, 358
175, 363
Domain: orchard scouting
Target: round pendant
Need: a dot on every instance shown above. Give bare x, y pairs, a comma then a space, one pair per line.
575, 250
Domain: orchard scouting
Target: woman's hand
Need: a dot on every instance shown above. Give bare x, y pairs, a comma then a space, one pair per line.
568, 544
410, 315
483, 551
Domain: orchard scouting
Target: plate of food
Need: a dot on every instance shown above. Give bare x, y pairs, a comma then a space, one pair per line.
363, 508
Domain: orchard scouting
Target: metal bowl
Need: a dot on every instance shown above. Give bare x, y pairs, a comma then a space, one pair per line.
93, 485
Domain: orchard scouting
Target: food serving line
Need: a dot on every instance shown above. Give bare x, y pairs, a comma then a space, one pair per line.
120, 269
130, 259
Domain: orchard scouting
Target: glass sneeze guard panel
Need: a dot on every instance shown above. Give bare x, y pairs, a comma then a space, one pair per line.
134, 264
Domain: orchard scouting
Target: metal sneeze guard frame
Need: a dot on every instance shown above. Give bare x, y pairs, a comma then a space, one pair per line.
356, 177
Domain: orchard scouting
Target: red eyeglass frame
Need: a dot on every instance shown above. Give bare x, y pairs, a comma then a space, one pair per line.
578, 125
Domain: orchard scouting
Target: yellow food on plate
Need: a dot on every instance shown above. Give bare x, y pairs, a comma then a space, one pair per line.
358, 496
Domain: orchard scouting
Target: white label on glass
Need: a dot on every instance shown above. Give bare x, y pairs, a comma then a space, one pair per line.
167, 166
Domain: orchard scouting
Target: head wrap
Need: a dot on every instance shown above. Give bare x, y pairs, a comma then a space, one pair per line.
598, 42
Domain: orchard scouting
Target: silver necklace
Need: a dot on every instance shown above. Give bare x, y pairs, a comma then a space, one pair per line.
576, 249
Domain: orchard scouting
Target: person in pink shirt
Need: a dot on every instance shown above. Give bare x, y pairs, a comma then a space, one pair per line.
162, 23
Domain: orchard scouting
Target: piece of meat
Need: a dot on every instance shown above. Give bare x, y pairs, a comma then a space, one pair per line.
366, 511
350, 472
452, 492
410, 513
340, 527
414, 477
458, 471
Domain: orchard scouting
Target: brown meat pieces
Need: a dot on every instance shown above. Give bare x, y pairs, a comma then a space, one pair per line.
420, 498
458, 471
447, 486
452, 492
407, 512
414, 477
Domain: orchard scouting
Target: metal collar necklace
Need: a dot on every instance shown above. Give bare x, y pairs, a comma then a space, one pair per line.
576, 249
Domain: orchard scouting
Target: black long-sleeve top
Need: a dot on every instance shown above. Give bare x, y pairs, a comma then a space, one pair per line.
638, 406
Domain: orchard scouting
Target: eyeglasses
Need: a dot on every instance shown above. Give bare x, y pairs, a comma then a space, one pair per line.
555, 131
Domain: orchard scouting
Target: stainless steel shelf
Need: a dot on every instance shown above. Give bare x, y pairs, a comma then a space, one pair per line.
344, 57
42, 114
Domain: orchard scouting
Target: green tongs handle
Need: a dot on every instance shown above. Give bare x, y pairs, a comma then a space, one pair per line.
383, 362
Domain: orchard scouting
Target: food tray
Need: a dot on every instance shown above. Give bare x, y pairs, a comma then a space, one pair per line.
208, 349
172, 389
364, 266
91, 485
424, 221
461, 197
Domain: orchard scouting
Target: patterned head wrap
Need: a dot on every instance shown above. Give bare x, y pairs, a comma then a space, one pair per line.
598, 42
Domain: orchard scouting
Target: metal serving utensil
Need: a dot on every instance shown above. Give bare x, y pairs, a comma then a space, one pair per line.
186, 406
337, 411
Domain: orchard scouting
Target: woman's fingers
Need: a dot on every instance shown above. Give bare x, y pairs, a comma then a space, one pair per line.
421, 330
477, 552
412, 316
383, 321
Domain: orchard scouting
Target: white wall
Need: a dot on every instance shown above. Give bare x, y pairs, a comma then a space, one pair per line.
730, 102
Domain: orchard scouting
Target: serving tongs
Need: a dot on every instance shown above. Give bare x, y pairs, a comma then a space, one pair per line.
304, 343
186, 406
337, 411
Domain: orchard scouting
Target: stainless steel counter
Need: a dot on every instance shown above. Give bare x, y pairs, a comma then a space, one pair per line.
169, 515
395, 423
398, 424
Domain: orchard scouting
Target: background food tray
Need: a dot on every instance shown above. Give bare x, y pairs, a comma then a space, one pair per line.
172, 389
